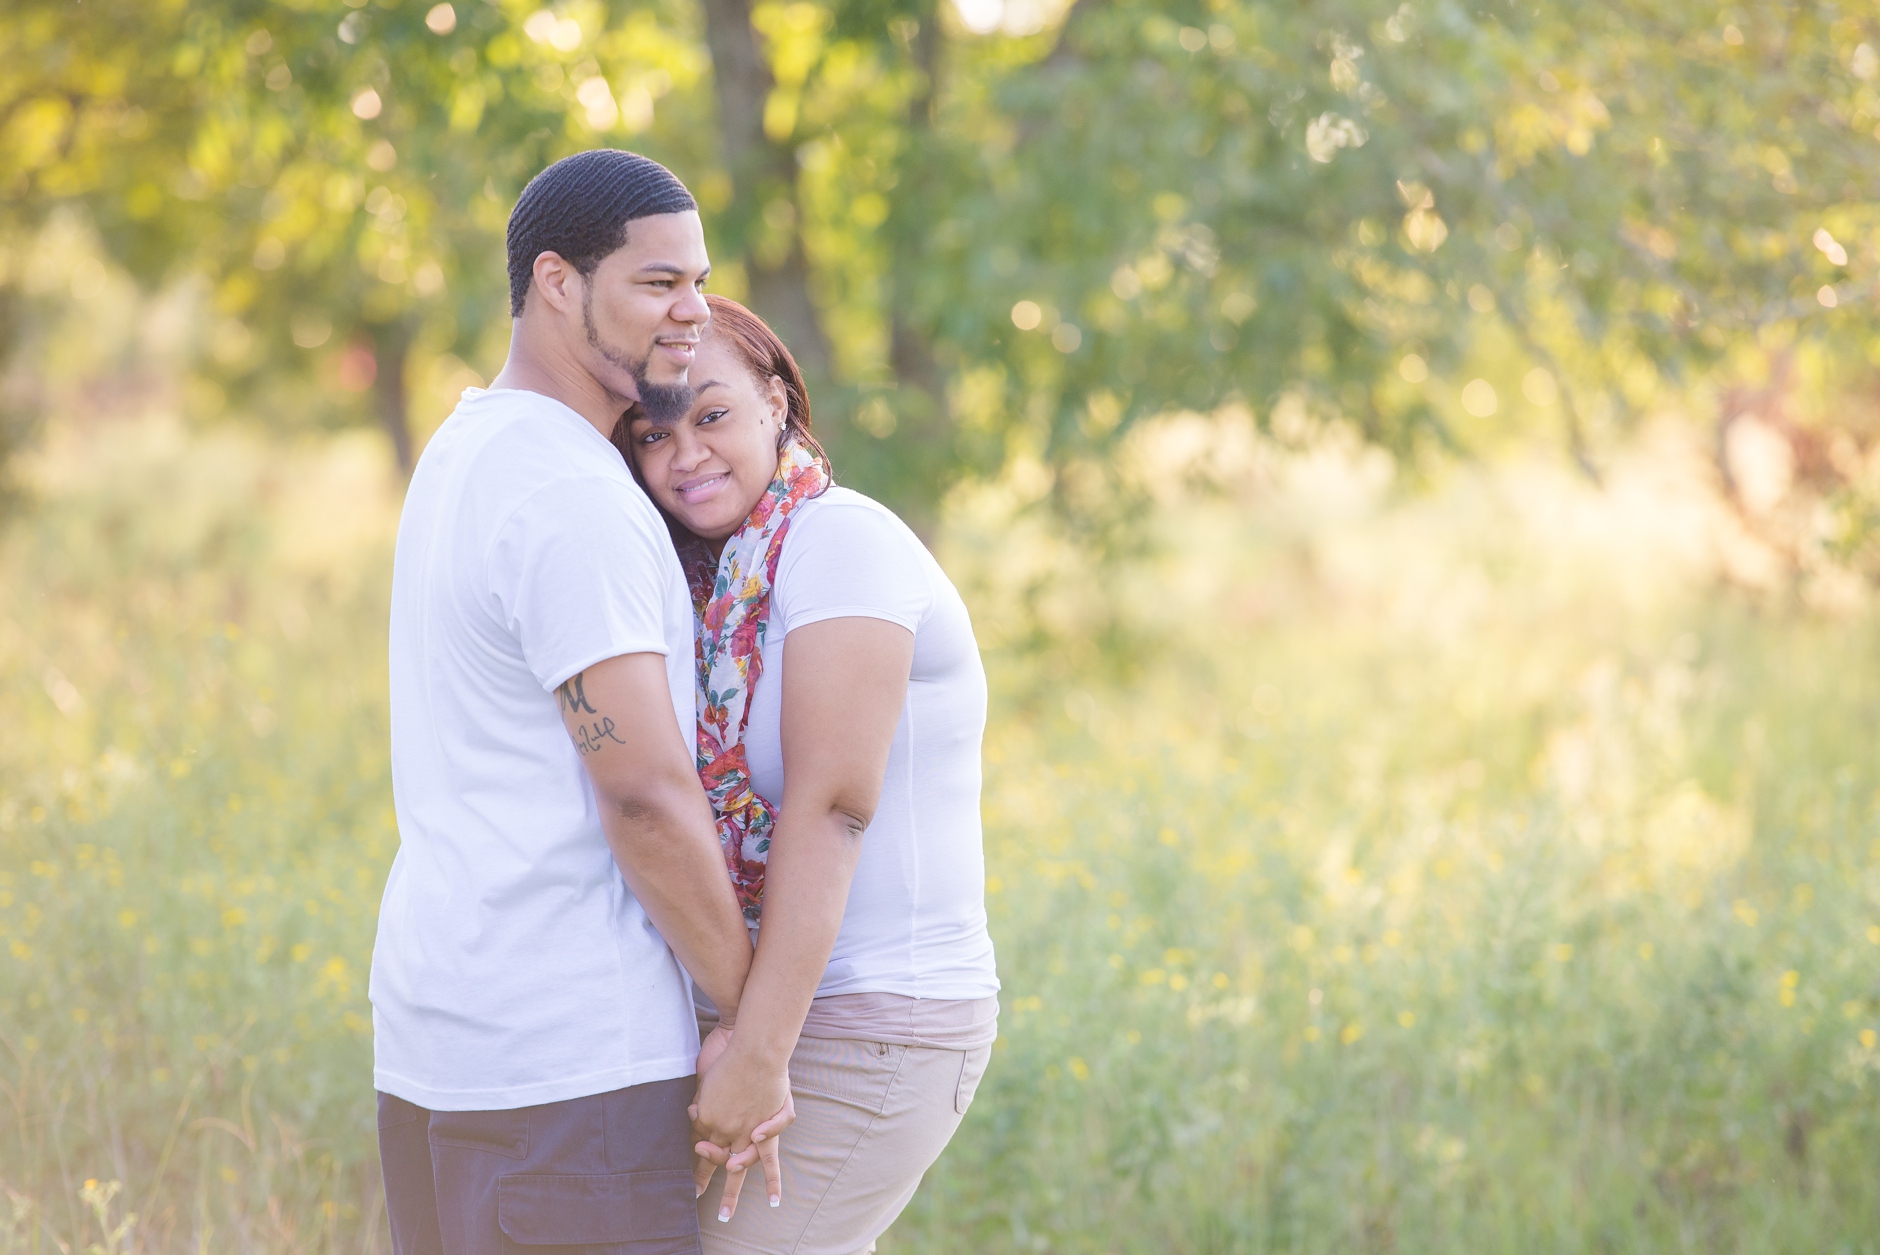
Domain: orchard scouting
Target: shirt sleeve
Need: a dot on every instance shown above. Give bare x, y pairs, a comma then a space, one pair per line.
851, 560
579, 575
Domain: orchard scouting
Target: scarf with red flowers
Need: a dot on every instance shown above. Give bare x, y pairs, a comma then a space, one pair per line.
732, 598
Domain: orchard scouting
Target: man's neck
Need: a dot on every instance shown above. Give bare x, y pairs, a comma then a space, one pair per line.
553, 372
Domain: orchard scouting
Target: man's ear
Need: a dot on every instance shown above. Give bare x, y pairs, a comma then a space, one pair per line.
557, 281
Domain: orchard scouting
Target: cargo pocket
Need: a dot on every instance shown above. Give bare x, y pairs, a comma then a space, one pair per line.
615, 1214
972, 1067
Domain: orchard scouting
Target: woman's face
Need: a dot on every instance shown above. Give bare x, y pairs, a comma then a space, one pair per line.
709, 467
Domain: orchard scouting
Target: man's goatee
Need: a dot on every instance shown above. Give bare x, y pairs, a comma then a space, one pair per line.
662, 403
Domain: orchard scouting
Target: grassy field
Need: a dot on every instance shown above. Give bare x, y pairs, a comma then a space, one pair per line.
1459, 870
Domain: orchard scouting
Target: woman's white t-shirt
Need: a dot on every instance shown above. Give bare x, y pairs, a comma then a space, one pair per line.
915, 924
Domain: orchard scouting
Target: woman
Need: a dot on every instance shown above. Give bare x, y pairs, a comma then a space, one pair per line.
841, 705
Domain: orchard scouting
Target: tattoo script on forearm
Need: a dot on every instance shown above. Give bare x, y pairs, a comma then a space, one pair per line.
591, 736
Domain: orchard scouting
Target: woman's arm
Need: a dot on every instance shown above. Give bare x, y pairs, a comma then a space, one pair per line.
844, 685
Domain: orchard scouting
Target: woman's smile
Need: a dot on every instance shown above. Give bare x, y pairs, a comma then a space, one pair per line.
702, 488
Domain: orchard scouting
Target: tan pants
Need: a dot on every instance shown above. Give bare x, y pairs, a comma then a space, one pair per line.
871, 1118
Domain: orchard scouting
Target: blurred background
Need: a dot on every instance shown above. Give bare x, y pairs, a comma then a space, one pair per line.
1415, 470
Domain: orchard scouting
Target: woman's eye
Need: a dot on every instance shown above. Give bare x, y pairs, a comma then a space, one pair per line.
651, 436
711, 416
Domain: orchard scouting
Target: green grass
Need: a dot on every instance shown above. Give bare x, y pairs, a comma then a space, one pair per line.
1470, 872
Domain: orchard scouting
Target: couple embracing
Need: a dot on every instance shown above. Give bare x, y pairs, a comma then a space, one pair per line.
685, 751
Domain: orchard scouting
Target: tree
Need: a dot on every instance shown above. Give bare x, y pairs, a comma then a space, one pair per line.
998, 241
1295, 198
1157, 206
761, 221
341, 174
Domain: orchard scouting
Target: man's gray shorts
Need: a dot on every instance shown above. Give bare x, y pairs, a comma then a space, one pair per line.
609, 1174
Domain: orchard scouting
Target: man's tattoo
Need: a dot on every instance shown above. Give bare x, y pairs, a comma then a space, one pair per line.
588, 737
573, 696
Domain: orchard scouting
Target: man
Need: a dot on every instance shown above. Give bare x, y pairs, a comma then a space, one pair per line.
535, 1037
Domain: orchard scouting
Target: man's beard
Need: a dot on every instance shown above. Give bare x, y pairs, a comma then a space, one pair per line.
661, 402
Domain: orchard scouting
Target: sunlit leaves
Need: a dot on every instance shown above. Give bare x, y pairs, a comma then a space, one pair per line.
344, 167
1242, 203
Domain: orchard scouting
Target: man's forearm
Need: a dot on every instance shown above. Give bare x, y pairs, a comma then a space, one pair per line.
667, 850
620, 718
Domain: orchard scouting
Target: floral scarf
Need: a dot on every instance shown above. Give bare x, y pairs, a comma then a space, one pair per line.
732, 598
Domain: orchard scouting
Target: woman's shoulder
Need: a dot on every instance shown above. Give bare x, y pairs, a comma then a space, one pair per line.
846, 554
838, 497
843, 515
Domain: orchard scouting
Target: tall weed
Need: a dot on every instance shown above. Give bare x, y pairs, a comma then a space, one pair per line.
1459, 871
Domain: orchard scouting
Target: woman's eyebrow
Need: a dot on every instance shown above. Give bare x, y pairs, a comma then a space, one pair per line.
709, 383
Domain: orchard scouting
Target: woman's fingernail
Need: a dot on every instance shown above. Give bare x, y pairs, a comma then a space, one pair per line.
776, 1200
724, 1214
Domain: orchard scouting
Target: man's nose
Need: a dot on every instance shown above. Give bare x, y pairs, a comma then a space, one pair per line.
691, 308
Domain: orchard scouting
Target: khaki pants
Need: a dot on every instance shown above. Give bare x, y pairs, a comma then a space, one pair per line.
871, 1118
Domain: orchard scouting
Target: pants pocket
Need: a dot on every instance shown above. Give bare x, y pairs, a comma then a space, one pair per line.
394, 1111
854, 1073
620, 1211
972, 1067
504, 1133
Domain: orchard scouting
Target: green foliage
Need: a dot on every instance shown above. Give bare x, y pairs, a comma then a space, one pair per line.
1424, 877
188, 923
1447, 880
342, 173
1004, 244
1440, 879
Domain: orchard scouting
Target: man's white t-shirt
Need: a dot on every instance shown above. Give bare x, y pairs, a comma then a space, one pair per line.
915, 924
513, 965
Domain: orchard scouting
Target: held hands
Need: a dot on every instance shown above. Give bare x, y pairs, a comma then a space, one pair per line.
743, 1104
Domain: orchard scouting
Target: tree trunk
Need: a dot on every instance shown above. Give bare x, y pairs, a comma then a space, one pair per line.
391, 347
910, 352
781, 296
924, 458
762, 172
